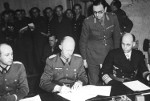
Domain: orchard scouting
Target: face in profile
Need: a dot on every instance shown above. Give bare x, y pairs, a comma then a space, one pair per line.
98, 11
6, 56
52, 41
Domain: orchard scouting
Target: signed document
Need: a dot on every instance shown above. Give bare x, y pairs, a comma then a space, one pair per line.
35, 98
87, 92
136, 85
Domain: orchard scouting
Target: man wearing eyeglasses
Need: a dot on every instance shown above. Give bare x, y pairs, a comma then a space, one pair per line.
100, 33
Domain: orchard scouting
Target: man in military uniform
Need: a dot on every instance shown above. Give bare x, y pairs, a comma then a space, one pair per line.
50, 48
13, 80
124, 64
100, 33
64, 71
125, 23
77, 22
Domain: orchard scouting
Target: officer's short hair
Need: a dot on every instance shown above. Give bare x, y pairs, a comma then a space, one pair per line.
55, 36
44, 11
18, 10
98, 2
133, 36
59, 6
77, 5
117, 4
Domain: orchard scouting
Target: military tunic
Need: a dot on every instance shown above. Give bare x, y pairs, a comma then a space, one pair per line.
97, 38
117, 67
14, 81
57, 72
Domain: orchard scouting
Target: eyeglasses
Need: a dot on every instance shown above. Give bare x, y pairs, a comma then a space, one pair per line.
98, 12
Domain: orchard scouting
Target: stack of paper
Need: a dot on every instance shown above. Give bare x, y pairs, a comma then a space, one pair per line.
87, 92
35, 98
136, 85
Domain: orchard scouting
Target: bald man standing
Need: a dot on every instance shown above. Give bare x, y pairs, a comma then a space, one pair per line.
64, 71
13, 80
124, 64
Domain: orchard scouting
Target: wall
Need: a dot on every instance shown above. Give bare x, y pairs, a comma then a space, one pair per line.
138, 12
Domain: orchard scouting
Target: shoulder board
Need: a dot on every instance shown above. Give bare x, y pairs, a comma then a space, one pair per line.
17, 62
52, 56
78, 55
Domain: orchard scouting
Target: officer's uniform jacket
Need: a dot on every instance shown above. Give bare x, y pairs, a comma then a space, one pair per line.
13, 81
117, 67
98, 38
57, 72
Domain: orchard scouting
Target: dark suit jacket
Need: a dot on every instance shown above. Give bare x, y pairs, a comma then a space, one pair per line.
116, 61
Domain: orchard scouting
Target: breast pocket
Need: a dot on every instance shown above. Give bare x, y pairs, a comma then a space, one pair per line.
58, 71
110, 28
12, 82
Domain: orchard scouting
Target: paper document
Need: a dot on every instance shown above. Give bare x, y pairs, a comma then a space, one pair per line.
35, 98
87, 92
136, 85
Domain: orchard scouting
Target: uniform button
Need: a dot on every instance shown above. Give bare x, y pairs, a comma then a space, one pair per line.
105, 44
122, 76
6, 87
5, 79
104, 36
66, 68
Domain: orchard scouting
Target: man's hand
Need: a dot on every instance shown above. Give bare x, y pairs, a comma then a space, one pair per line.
85, 64
64, 89
11, 98
148, 77
77, 85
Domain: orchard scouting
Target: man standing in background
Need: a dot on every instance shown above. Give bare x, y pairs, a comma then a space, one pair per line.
100, 33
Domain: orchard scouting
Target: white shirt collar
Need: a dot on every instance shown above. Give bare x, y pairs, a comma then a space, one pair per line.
128, 55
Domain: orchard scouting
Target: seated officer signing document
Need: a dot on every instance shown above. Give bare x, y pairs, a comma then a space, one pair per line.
65, 71
124, 64
13, 80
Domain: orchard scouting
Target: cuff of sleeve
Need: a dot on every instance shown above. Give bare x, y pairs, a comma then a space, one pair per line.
106, 78
15, 97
